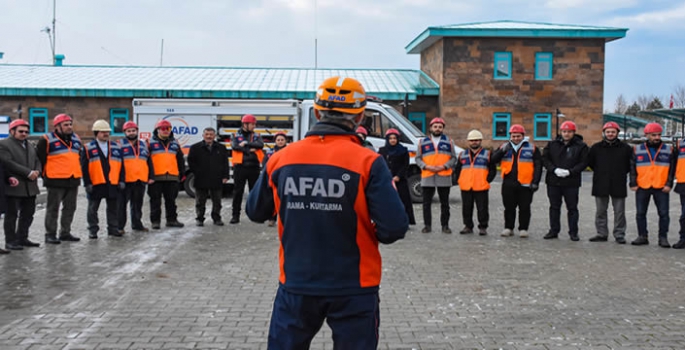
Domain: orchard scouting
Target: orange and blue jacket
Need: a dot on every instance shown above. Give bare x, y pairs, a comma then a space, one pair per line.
652, 167
100, 170
63, 159
166, 158
522, 168
475, 171
335, 202
137, 161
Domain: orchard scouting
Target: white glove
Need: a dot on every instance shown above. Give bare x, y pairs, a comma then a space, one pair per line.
566, 173
558, 172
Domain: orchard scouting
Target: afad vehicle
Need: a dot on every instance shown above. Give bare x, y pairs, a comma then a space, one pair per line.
189, 117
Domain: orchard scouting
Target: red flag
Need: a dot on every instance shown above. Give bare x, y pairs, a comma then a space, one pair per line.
670, 105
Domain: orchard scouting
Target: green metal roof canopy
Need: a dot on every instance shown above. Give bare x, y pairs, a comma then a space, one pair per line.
625, 121
676, 114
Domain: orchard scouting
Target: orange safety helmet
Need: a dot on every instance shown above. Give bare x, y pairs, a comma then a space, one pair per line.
392, 131
162, 124
129, 125
248, 118
610, 125
437, 120
517, 129
341, 94
568, 125
18, 122
362, 130
653, 128
60, 118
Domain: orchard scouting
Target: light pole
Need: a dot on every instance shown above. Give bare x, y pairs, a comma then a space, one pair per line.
559, 115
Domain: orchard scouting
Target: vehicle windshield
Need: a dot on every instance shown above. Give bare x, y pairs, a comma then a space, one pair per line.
403, 120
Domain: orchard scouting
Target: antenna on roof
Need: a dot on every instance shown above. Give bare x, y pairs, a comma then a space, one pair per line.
48, 31
161, 55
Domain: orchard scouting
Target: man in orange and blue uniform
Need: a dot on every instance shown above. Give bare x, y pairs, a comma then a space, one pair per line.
680, 189
137, 167
168, 169
474, 172
333, 210
521, 171
436, 158
651, 175
103, 177
59, 153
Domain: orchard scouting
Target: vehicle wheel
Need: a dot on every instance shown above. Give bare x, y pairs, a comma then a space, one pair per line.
415, 191
189, 185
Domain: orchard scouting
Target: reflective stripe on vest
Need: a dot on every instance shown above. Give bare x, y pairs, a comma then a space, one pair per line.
63, 161
652, 173
135, 160
95, 170
525, 166
680, 166
474, 172
164, 157
437, 158
237, 156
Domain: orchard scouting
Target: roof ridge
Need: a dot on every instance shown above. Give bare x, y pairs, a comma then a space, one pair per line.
199, 67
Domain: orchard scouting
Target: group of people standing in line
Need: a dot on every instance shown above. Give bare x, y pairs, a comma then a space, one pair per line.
649, 169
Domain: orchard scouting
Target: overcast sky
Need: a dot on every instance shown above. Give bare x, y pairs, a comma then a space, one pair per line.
351, 33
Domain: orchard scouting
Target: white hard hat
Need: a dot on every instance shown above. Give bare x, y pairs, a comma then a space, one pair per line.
101, 125
474, 135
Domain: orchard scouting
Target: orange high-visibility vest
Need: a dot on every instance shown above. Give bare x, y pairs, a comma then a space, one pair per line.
164, 157
135, 160
680, 166
474, 172
63, 161
95, 170
237, 156
525, 166
438, 157
652, 173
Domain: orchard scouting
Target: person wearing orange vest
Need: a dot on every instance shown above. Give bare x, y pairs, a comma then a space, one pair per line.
248, 154
651, 175
436, 158
167, 170
103, 177
680, 189
565, 158
474, 172
521, 171
59, 153
137, 167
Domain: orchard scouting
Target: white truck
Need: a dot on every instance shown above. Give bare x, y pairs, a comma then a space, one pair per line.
189, 117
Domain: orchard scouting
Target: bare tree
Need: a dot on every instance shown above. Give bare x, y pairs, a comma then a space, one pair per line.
644, 100
679, 96
621, 105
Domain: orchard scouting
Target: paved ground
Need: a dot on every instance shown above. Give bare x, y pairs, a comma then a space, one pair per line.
212, 288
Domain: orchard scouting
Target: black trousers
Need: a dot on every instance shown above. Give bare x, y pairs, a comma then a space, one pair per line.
92, 216
481, 200
444, 195
570, 197
513, 197
133, 193
241, 175
201, 195
169, 190
66, 196
22, 208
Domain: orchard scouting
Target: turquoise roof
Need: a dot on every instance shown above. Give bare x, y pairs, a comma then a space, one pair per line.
513, 29
202, 82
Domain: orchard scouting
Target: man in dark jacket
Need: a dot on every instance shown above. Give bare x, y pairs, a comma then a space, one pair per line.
565, 159
248, 154
21, 162
610, 162
208, 161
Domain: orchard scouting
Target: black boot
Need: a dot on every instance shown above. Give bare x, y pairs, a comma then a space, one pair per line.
14, 246
663, 243
234, 220
598, 238
52, 239
640, 240
551, 235
68, 238
680, 244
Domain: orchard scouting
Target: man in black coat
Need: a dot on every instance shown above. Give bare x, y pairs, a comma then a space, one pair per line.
208, 161
610, 162
565, 159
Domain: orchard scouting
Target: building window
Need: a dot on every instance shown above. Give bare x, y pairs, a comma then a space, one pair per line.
38, 118
117, 118
500, 126
502, 65
543, 126
543, 65
419, 120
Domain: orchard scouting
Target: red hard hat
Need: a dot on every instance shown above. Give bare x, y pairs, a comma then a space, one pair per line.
517, 129
60, 118
129, 125
162, 123
362, 130
280, 133
18, 122
437, 120
653, 128
249, 118
392, 132
609, 125
568, 125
